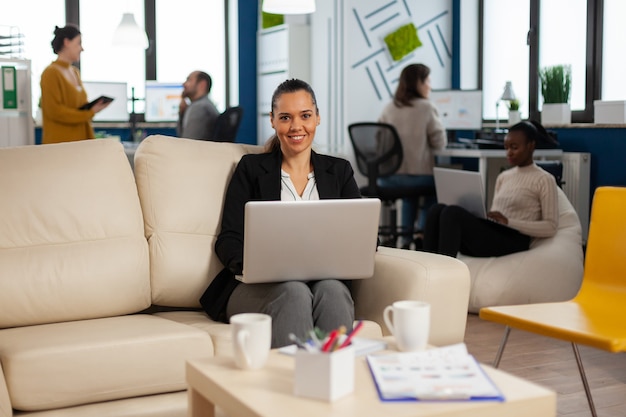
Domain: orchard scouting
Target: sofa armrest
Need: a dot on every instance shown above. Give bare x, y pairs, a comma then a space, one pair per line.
399, 274
6, 410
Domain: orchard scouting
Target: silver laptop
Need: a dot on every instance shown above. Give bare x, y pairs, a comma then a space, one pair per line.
309, 240
461, 188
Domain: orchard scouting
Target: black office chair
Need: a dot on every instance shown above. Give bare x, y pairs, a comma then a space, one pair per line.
378, 153
227, 125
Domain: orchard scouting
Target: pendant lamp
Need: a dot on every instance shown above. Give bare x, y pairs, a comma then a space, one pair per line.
289, 6
128, 33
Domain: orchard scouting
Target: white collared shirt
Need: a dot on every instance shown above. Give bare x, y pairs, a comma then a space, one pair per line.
288, 190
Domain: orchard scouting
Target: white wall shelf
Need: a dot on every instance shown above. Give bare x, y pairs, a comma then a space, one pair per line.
17, 126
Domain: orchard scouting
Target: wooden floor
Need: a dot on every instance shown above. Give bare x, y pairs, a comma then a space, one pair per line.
551, 363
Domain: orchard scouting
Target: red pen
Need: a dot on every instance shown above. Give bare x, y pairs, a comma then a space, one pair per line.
352, 333
331, 340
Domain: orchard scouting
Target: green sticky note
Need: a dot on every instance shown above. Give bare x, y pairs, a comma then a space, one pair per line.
402, 41
270, 20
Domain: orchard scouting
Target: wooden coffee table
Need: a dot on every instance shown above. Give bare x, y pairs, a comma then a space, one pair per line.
268, 392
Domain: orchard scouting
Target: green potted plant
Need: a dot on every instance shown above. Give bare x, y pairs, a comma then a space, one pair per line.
556, 82
514, 114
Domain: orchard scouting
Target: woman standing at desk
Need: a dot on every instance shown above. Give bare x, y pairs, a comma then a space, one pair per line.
420, 130
62, 92
525, 206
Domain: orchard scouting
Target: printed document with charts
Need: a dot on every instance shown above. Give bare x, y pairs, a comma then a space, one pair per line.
442, 374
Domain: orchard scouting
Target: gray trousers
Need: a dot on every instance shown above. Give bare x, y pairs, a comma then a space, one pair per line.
295, 306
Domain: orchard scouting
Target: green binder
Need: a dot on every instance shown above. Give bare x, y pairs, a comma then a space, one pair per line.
9, 88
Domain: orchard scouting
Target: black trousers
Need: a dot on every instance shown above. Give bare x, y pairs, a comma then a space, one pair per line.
452, 229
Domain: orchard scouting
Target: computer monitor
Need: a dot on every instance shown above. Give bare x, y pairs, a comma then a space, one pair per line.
459, 109
162, 101
117, 111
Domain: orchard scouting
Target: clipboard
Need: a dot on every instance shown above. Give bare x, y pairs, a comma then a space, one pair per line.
88, 106
442, 374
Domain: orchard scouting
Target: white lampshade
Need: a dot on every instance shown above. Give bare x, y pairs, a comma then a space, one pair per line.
288, 6
508, 93
128, 33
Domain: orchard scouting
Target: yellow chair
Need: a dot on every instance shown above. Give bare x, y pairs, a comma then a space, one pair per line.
595, 316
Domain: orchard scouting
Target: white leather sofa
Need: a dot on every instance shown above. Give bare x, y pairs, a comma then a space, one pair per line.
551, 270
101, 272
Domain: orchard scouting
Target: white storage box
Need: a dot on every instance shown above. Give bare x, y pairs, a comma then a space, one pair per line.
612, 112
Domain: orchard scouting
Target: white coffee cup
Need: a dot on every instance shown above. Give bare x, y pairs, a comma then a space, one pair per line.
252, 339
410, 325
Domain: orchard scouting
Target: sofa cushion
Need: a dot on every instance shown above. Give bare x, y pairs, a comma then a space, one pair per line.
72, 245
400, 274
172, 404
65, 364
181, 184
551, 270
219, 332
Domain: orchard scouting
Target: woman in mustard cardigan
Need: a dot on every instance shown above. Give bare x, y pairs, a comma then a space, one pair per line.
62, 92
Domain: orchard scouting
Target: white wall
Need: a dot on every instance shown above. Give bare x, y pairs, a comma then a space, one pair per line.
469, 44
352, 72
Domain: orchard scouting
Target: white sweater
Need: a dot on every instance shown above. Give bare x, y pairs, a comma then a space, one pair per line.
420, 132
528, 197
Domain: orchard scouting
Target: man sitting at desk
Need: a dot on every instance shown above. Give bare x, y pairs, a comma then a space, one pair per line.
196, 117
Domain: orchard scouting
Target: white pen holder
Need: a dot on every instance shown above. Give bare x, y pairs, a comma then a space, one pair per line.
324, 376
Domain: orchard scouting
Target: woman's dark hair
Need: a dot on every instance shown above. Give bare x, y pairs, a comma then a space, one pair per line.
288, 86
407, 86
533, 131
60, 34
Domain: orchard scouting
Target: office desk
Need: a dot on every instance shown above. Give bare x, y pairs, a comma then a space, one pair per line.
491, 162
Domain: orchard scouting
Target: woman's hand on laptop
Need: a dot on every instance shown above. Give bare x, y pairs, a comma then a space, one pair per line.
497, 217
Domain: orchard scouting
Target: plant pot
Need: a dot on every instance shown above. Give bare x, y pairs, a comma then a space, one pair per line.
514, 117
556, 114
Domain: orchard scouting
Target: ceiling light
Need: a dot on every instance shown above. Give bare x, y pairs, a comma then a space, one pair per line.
128, 33
288, 6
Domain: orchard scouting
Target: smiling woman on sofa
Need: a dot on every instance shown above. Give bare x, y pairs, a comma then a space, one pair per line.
288, 170
88, 250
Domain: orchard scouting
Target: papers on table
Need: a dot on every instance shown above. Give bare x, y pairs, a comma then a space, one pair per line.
446, 373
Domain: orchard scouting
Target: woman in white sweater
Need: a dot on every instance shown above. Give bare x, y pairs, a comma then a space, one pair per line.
524, 206
420, 130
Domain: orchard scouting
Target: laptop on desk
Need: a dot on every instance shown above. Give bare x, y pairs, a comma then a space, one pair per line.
309, 240
461, 188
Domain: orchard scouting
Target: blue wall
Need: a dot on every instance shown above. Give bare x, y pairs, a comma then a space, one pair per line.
608, 152
248, 16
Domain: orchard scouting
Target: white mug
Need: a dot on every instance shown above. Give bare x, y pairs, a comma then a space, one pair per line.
252, 339
410, 325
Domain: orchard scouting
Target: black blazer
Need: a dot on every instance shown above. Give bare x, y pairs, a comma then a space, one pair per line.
257, 177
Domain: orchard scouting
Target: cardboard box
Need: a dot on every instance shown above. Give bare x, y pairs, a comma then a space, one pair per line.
610, 112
